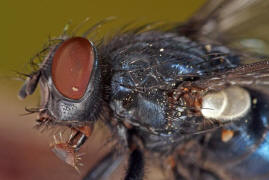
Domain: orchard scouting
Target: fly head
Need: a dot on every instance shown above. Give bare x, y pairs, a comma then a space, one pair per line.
69, 78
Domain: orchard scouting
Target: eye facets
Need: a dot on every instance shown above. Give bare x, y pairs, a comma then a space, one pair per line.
72, 66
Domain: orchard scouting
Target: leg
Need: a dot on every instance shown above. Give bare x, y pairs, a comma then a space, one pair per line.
173, 165
177, 175
104, 167
136, 166
68, 151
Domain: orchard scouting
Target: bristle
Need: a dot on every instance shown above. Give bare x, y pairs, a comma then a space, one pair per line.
97, 25
79, 26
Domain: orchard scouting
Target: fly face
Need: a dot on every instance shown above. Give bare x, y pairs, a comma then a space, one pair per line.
69, 78
70, 82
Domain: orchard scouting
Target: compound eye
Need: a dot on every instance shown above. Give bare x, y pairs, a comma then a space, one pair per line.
72, 66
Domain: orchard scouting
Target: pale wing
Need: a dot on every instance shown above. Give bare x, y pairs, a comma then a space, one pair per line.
238, 23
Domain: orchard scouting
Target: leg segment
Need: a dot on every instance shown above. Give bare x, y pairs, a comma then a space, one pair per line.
104, 167
177, 175
172, 163
136, 166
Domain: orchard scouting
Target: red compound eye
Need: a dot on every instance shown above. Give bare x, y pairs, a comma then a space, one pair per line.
72, 66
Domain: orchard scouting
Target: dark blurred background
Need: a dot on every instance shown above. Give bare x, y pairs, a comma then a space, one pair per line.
25, 27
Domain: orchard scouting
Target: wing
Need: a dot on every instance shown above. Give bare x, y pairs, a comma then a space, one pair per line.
238, 23
253, 76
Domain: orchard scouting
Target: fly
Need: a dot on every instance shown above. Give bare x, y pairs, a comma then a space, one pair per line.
194, 95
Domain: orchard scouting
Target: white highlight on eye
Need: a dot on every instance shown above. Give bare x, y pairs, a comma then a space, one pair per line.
228, 104
74, 88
